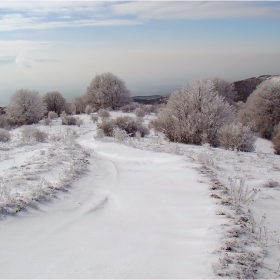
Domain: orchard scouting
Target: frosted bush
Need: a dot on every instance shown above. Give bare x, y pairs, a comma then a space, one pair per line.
79, 121
119, 134
68, 120
31, 133
235, 136
52, 115
88, 110
129, 107
5, 135
47, 121
103, 114
148, 109
140, 113
94, 118
129, 124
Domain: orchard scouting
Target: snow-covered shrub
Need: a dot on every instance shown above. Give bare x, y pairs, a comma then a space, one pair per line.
119, 134
156, 125
31, 133
52, 115
47, 121
103, 114
132, 125
26, 107
5, 135
129, 107
194, 115
148, 109
68, 120
79, 121
129, 124
262, 109
206, 159
276, 139
88, 110
94, 118
140, 113
235, 136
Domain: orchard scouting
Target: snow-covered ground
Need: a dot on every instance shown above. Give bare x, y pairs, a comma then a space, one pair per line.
97, 208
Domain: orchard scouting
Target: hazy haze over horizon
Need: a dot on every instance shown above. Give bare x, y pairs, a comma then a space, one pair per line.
155, 47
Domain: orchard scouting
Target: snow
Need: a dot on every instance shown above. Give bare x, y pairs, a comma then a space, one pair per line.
264, 146
142, 209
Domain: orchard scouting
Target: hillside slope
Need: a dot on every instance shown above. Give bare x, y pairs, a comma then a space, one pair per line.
245, 87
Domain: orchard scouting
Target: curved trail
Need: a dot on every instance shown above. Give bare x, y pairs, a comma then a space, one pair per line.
135, 214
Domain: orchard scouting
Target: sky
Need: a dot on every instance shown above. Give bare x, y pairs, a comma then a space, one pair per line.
154, 46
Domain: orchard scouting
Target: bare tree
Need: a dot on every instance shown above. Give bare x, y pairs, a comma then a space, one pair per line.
26, 107
194, 115
107, 90
262, 109
54, 102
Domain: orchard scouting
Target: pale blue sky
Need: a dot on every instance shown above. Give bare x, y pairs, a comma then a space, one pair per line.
154, 46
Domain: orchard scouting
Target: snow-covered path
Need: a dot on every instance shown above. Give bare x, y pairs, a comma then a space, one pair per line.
136, 214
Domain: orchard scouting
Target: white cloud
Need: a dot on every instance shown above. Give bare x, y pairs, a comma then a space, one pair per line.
52, 14
195, 9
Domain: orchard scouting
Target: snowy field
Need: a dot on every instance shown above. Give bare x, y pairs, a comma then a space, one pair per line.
80, 207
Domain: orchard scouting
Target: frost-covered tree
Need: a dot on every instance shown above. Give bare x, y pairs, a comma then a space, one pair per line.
79, 104
107, 90
55, 102
194, 115
235, 136
225, 89
262, 109
26, 107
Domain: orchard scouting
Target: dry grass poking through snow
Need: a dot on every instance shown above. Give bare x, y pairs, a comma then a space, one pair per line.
35, 171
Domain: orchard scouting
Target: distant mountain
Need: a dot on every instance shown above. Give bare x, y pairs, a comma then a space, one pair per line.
150, 99
245, 87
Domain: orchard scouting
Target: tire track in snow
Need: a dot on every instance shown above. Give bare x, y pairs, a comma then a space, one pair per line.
141, 215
